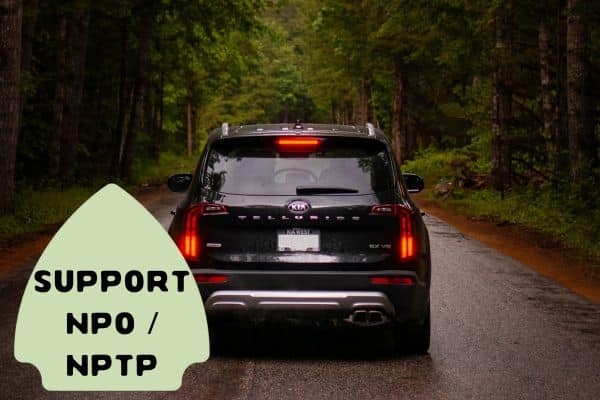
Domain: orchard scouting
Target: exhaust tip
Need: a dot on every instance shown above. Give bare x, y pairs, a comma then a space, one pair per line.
375, 317
367, 318
360, 317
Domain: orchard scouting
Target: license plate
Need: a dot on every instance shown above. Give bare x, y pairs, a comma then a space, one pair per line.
298, 239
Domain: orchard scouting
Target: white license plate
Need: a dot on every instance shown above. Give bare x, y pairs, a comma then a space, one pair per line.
298, 239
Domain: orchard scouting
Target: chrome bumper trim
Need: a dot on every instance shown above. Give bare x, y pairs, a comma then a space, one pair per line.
254, 300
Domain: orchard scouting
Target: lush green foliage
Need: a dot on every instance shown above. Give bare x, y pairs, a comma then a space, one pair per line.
436, 165
558, 211
425, 65
150, 172
228, 61
551, 211
38, 208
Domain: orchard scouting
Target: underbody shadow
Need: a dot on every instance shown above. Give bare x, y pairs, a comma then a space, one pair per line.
306, 342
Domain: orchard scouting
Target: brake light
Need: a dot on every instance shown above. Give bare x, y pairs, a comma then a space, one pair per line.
210, 278
392, 280
407, 245
189, 243
297, 144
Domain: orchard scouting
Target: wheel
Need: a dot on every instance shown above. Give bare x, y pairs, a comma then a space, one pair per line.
413, 338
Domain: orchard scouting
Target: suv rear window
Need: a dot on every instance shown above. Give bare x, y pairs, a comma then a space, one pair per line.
256, 166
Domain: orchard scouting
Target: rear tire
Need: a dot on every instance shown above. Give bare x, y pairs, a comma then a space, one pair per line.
413, 338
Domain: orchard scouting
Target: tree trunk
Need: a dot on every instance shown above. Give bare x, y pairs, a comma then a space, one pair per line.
156, 139
372, 114
124, 102
11, 14
411, 133
363, 104
348, 114
333, 111
396, 108
30, 13
399, 132
548, 103
59, 100
145, 29
582, 139
148, 112
190, 130
502, 98
77, 40
561, 88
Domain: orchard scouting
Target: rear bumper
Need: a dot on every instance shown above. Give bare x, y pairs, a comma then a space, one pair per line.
359, 308
312, 295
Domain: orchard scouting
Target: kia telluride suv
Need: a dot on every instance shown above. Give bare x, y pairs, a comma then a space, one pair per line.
306, 222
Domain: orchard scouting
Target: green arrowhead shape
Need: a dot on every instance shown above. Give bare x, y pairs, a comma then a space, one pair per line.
111, 231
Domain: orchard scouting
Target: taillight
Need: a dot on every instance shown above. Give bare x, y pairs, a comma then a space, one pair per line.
189, 242
297, 144
407, 236
407, 245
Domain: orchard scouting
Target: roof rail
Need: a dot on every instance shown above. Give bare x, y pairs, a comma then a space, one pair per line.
225, 129
371, 129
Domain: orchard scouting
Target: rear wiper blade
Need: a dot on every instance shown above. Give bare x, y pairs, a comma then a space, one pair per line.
323, 190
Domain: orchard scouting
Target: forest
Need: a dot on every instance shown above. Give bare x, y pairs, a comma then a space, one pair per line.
498, 99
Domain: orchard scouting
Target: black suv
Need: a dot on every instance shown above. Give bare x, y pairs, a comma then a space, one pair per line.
309, 222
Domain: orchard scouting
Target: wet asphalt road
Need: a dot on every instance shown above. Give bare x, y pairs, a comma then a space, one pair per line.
499, 331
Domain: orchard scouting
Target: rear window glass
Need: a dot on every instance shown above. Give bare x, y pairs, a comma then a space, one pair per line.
257, 166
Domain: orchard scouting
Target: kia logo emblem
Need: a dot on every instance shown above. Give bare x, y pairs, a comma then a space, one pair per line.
298, 207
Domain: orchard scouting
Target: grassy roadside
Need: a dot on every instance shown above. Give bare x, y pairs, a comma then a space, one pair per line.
558, 213
41, 209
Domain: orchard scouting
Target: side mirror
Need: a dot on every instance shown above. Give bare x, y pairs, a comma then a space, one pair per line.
414, 183
179, 182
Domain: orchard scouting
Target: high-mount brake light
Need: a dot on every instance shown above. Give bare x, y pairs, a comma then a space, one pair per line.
407, 245
297, 144
190, 243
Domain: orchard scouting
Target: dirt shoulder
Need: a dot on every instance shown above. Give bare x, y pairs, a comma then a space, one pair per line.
26, 248
533, 249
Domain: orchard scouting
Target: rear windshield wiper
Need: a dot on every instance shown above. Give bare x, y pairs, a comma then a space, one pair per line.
323, 190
